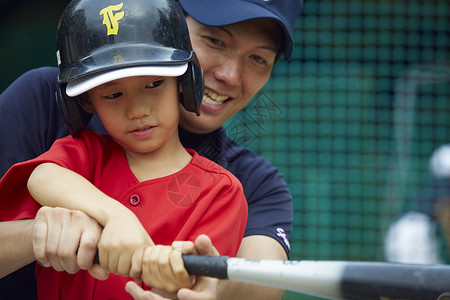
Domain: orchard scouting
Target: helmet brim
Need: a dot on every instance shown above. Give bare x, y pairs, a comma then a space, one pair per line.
86, 83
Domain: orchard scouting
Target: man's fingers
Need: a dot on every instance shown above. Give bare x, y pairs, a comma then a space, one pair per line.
68, 246
40, 242
88, 247
139, 293
98, 272
59, 233
205, 288
204, 246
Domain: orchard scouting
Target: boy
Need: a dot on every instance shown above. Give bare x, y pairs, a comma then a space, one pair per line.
112, 63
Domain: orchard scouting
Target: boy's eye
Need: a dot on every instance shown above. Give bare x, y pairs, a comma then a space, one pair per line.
155, 83
114, 95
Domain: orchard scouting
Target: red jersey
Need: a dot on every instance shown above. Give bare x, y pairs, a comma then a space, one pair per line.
202, 198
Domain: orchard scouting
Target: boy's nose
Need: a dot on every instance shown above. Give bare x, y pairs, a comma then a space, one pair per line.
138, 108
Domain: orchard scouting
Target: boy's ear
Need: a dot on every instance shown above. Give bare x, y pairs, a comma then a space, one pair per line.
86, 104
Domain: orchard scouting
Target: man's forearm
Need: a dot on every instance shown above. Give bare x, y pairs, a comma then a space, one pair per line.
229, 290
17, 245
253, 247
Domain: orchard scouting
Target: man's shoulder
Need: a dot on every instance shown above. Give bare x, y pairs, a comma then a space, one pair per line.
32, 91
43, 78
44, 73
244, 160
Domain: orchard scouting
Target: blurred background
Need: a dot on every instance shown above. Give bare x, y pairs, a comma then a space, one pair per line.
351, 121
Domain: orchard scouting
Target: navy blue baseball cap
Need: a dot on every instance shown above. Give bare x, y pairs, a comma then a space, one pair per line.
227, 12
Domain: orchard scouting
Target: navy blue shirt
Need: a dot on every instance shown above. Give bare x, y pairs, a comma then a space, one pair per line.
30, 122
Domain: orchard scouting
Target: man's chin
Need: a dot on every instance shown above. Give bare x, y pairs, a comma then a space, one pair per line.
197, 124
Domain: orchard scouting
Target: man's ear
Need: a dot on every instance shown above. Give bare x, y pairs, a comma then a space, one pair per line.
85, 103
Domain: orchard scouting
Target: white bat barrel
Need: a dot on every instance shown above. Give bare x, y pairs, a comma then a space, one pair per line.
332, 279
307, 277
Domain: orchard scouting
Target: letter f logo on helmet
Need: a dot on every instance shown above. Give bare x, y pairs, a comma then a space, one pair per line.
110, 19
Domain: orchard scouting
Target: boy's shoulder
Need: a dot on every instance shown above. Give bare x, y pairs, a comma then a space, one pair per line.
87, 139
210, 168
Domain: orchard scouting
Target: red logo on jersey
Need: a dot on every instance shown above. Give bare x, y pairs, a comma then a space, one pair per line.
184, 189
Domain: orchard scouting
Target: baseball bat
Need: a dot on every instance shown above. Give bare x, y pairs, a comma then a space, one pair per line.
331, 279
340, 280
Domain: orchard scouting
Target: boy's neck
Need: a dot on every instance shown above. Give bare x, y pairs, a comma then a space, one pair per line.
160, 163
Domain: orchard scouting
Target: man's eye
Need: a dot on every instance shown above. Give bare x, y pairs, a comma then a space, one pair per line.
155, 84
114, 95
259, 59
213, 41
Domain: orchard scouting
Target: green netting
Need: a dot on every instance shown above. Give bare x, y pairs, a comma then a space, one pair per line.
352, 119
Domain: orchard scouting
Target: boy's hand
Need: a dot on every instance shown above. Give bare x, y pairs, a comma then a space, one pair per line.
162, 268
122, 245
204, 288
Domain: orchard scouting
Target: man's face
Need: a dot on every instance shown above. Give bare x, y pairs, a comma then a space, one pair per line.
237, 61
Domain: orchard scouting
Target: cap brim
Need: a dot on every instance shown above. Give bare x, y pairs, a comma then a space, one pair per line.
84, 84
222, 13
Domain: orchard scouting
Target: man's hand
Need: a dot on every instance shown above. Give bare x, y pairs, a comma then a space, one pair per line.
66, 240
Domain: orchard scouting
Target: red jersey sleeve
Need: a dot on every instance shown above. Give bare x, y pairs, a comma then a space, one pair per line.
16, 202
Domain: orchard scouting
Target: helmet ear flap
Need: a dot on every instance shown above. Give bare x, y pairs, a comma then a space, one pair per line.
193, 85
74, 115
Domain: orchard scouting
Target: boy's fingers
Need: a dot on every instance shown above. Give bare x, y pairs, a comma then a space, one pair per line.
202, 246
163, 271
103, 259
147, 268
136, 264
186, 247
182, 278
123, 264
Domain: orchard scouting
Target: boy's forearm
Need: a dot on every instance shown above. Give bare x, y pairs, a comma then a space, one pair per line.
55, 186
17, 246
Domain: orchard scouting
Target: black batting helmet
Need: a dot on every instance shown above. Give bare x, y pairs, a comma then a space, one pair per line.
103, 40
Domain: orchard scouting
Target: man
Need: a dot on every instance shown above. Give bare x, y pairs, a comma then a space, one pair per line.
237, 43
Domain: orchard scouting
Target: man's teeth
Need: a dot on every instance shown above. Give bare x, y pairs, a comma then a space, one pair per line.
212, 98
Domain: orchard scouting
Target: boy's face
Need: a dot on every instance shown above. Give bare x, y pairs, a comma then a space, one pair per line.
237, 61
141, 113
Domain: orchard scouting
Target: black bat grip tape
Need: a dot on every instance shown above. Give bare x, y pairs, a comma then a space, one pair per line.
212, 266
